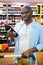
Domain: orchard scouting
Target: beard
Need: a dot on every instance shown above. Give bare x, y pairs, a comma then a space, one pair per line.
27, 19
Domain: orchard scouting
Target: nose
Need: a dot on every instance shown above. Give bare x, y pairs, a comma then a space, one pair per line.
23, 14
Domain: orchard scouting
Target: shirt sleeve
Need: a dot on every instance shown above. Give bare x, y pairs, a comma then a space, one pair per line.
40, 44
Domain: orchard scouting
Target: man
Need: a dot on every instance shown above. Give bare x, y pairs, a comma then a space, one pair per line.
30, 37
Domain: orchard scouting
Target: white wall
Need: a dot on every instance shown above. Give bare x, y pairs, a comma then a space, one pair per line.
22, 1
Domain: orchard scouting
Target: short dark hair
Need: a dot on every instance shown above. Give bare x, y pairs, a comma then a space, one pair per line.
27, 7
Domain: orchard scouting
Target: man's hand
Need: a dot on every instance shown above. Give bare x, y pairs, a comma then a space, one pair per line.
11, 35
26, 54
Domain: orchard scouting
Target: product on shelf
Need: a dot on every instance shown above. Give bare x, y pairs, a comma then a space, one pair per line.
0, 47
13, 19
42, 9
35, 11
5, 46
18, 19
2, 22
42, 19
37, 19
38, 9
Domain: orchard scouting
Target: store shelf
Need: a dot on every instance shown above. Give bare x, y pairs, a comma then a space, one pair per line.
38, 13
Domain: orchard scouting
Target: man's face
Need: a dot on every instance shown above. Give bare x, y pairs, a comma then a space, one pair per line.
26, 14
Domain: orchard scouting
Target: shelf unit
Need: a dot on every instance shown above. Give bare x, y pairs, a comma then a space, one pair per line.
9, 15
14, 14
3, 37
38, 13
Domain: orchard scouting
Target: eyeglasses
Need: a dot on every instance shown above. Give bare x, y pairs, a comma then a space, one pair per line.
25, 12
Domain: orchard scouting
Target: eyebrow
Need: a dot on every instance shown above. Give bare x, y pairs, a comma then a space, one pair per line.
24, 12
